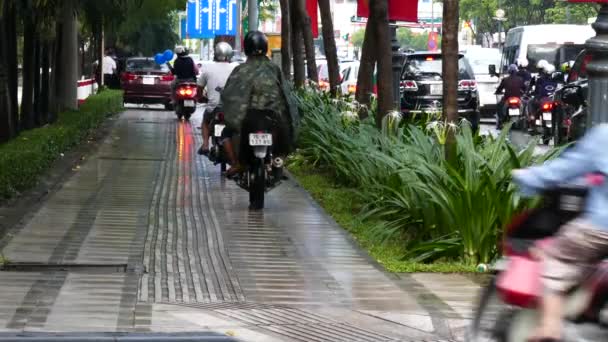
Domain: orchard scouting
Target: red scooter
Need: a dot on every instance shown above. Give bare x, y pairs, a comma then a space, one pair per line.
509, 306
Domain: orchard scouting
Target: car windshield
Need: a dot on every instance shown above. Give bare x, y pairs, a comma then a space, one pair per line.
145, 65
431, 65
482, 58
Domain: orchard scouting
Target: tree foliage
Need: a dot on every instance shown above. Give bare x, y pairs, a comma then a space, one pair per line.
524, 12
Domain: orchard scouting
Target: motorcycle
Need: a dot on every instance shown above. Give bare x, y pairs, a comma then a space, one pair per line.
570, 113
543, 120
217, 155
508, 309
264, 170
513, 111
185, 99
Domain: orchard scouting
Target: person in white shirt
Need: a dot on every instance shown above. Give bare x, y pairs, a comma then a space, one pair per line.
109, 69
214, 77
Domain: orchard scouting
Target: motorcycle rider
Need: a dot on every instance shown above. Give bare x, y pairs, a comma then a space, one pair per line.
522, 65
214, 78
513, 86
544, 86
581, 242
254, 88
183, 68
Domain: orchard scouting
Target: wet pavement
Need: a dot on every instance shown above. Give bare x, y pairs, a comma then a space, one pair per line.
147, 237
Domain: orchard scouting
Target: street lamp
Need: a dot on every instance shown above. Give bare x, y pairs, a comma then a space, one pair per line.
500, 17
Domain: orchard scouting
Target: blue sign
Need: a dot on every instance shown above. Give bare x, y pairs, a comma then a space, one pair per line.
182, 28
210, 18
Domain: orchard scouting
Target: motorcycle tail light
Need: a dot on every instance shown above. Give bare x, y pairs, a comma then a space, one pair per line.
547, 106
186, 91
514, 101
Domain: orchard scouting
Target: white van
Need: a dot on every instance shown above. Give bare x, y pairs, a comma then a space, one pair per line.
480, 59
518, 39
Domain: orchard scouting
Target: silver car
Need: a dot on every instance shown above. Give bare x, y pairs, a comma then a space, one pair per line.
480, 59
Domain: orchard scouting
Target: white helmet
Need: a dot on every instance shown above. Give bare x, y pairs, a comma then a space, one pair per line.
522, 62
549, 69
223, 52
180, 50
541, 64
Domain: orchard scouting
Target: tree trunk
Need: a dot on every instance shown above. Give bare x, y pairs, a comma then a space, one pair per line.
329, 41
285, 40
45, 83
27, 96
37, 113
297, 49
385, 63
57, 70
6, 129
68, 78
365, 78
10, 12
100, 47
309, 44
449, 51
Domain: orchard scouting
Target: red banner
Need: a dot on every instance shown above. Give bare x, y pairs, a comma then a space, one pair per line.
311, 8
398, 10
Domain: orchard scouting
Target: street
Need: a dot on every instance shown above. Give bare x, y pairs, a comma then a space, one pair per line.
145, 236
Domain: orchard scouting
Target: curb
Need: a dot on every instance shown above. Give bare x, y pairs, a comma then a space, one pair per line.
115, 337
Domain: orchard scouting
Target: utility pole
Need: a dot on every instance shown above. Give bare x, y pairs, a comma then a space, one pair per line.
239, 28
253, 15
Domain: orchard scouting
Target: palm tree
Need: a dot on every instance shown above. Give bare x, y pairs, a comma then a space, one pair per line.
449, 51
331, 52
309, 47
285, 39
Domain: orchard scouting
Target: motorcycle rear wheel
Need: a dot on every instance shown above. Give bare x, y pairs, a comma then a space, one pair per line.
491, 318
257, 188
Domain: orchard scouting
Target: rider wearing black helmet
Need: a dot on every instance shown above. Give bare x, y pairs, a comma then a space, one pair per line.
183, 68
256, 87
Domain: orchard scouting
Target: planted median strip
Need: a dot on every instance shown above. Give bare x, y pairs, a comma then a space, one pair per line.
24, 159
393, 189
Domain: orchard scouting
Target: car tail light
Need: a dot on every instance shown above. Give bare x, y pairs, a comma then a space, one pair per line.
127, 76
352, 88
409, 85
514, 101
428, 59
186, 92
547, 106
167, 77
467, 85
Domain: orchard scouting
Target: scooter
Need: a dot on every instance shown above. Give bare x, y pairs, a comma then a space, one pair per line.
217, 155
264, 170
543, 120
185, 99
512, 111
508, 309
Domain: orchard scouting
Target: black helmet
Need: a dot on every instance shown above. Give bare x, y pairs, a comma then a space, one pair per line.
256, 44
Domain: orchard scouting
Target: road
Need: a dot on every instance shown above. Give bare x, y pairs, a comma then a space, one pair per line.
144, 236
488, 126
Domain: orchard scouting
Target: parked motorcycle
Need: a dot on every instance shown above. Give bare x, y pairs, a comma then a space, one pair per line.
217, 155
509, 305
264, 170
185, 99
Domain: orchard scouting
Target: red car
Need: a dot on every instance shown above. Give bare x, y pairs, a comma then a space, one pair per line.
144, 81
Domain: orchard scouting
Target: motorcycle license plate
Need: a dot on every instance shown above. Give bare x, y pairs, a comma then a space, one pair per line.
537, 122
513, 112
260, 139
547, 116
218, 130
188, 103
147, 80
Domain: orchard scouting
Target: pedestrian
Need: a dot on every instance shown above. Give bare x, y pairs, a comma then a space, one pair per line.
109, 69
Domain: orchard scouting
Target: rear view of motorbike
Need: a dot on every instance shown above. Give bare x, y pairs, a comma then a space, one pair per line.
185, 100
217, 154
264, 170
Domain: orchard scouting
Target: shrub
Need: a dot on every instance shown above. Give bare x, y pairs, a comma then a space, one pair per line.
443, 209
25, 158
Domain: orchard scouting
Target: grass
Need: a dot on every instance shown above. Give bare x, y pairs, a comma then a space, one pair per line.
344, 206
24, 159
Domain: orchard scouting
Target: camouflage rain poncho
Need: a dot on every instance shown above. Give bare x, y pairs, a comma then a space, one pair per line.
259, 84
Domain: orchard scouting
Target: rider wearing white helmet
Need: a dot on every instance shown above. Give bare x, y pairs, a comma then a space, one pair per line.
522, 64
214, 78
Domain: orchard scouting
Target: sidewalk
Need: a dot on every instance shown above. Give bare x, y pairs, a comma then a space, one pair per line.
147, 237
